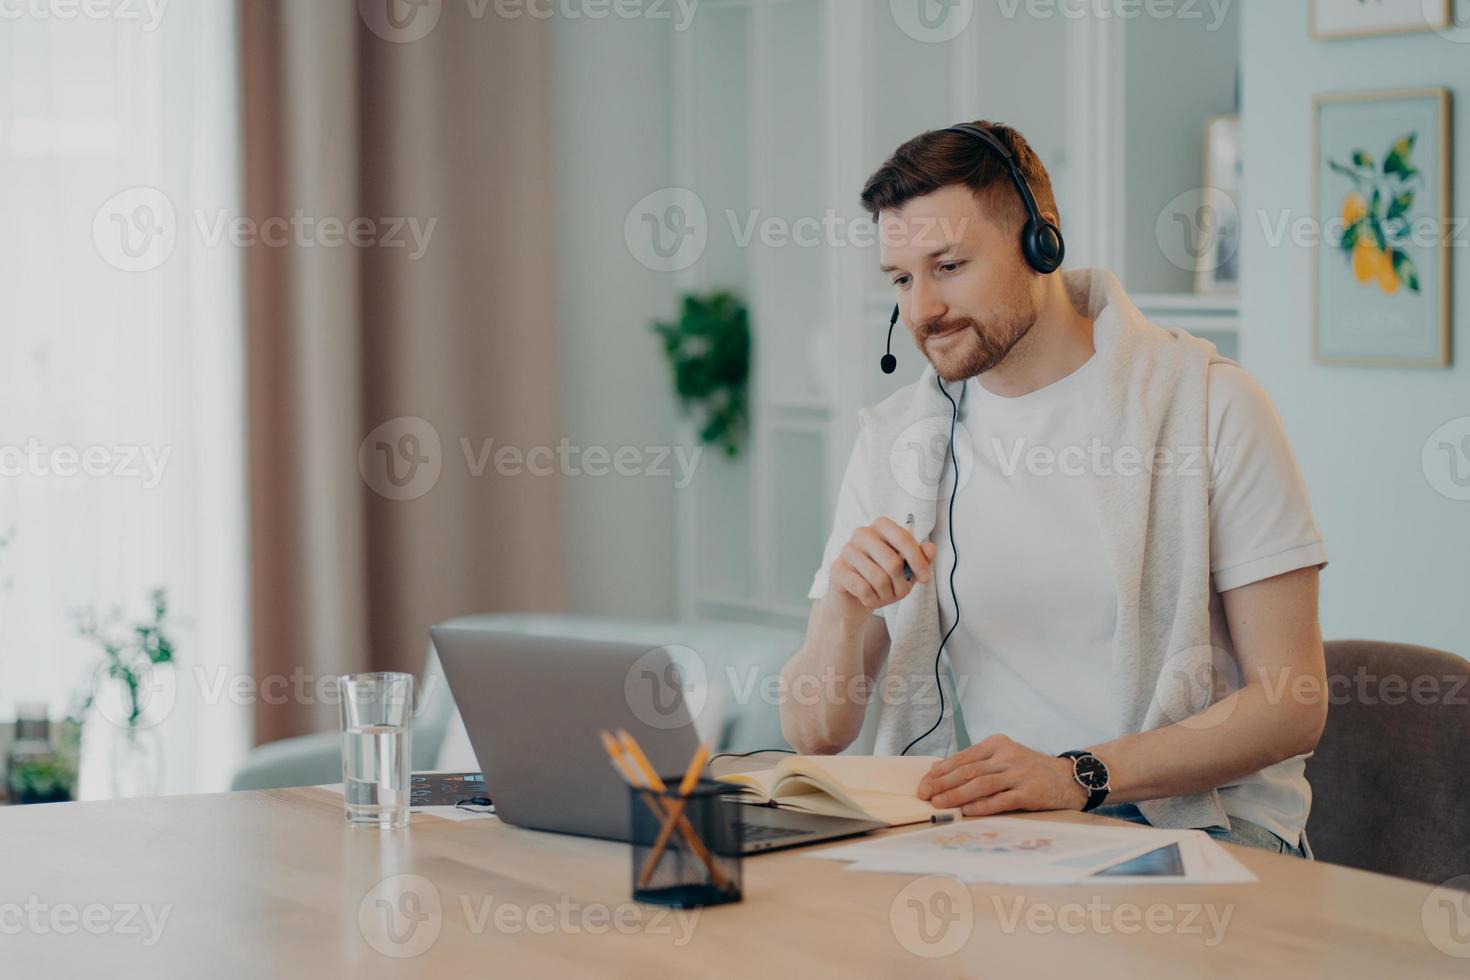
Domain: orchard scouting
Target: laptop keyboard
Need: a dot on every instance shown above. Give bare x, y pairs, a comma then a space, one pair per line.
756, 833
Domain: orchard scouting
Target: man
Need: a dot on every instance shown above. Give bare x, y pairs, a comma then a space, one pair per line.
1130, 544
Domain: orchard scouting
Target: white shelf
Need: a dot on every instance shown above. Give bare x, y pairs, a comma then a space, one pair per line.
799, 408
1188, 302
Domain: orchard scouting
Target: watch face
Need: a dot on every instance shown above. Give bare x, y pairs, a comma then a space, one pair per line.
1091, 772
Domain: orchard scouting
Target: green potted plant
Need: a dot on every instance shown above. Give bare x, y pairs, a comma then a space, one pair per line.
121, 687
51, 780
37, 768
708, 349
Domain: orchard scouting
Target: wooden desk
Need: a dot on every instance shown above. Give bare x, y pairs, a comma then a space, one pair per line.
273, 884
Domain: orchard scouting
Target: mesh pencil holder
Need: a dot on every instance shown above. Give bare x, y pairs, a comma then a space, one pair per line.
686, 850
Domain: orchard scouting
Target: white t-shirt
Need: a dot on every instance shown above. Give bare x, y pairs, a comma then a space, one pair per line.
1032, 655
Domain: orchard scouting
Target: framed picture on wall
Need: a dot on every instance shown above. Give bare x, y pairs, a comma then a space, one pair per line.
1382, 192
1217, 269
1365, 18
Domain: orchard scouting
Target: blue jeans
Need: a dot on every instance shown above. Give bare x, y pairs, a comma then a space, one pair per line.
1244, 832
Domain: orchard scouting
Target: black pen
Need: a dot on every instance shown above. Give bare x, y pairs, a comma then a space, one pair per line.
908, 573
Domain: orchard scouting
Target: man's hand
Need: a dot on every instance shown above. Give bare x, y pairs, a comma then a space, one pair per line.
868, 573
1000, 776
845, 642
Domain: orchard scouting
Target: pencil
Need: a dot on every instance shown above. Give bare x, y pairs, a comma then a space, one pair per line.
650, 776
625, 770
676, 809
615, 752
645, 768
696, 766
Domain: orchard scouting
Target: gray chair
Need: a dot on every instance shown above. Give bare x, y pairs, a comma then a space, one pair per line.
1391, 776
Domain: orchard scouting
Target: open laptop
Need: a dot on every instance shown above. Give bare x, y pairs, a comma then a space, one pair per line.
533, 707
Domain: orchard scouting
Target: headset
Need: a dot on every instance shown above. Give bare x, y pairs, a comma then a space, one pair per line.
1043, 248
1041, 240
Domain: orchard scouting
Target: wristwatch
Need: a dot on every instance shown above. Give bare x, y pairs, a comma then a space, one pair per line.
1091, 774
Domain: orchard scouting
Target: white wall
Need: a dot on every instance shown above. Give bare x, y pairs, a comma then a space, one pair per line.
1179, 71
611, 83
1400, 552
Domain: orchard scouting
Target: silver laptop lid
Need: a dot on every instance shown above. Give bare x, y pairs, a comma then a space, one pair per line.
533, 707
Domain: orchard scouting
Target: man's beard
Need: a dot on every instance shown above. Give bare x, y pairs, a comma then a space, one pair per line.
987, 345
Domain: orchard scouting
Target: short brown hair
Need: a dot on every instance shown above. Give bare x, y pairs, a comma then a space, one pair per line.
938, 159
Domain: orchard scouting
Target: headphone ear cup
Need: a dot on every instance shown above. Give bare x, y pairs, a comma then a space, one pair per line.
1043, 246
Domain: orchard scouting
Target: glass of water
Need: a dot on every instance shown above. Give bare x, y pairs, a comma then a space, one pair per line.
377, 714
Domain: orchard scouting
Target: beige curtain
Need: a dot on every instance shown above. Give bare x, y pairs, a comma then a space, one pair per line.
349, 569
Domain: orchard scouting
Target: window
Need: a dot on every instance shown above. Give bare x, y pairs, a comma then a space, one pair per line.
121, 359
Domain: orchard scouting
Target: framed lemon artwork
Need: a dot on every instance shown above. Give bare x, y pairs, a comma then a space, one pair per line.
1365, 18
1381, 284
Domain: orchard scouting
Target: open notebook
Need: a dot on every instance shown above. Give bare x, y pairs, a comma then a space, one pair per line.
868, 787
